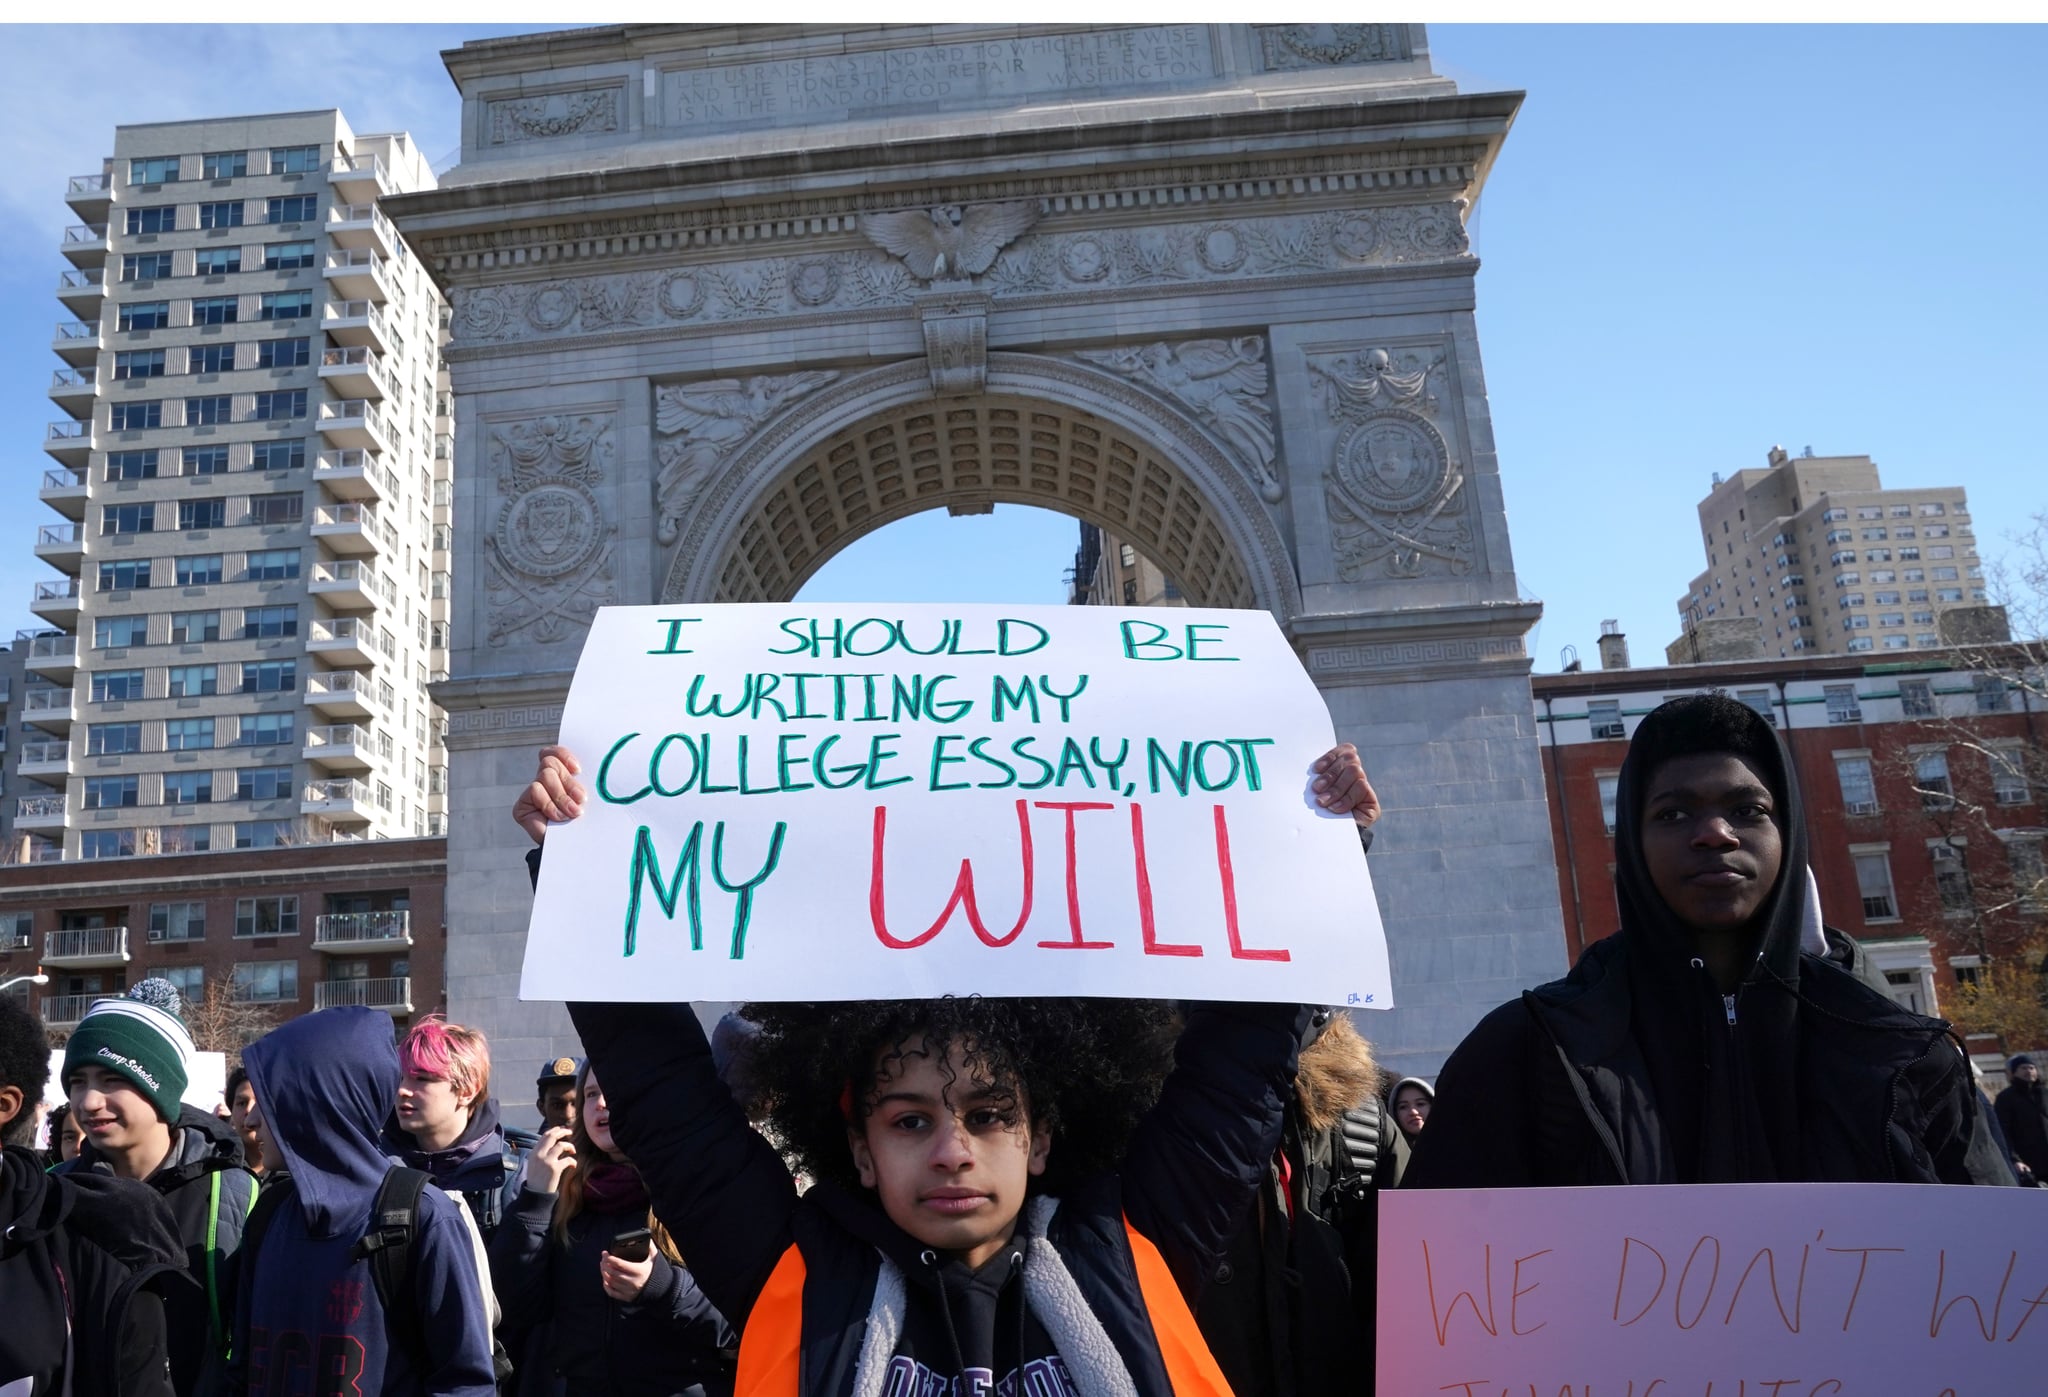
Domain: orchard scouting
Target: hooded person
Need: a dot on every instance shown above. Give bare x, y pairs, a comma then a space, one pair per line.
126, 1067
1701, 1043
324, 1085
1409, 1102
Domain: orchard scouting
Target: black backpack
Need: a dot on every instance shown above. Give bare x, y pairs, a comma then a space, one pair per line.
1341, 1182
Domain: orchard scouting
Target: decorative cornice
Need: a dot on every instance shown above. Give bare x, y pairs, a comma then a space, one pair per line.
1408, 645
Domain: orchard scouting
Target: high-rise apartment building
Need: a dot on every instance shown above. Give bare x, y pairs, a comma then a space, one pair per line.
1826, 559
253, 479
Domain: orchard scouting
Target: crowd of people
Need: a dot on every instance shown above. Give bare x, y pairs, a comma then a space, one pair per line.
998, 1197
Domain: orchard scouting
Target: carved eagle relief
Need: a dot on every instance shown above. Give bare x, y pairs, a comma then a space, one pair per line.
950, 241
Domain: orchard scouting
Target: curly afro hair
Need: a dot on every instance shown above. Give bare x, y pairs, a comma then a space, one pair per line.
1086, 1069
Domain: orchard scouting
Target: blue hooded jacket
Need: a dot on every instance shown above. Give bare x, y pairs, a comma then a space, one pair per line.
309, 1322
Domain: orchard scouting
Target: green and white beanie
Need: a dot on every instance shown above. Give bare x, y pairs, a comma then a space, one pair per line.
139, 1040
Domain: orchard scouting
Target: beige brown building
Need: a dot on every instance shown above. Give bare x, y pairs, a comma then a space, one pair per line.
1111, 572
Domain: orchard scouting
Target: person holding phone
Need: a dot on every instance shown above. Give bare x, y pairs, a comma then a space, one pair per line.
596, 1298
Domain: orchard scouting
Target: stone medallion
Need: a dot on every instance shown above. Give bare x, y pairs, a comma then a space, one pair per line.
551, 530
1392, 462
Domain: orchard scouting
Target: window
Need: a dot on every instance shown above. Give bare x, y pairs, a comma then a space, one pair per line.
106, 844
1759, 701
145, 315
264, 622
1916, 697
194, 681
1951, 595
195, 627
109, 792
263, 834
281, 404
203, 460
1605, 717
1990, 693
287, 257
154, 169
1934, 531
1951, 879
263, 783
277, 509
225, 215
116, 685
1130, 591
1887, 619
138, 363
286, 305
188, 734
137, 416
270, 676
121, 577
199, 570
131, 465
1930, 778
273, 564
267, 981
177, 921
1932, 510
1941, 551
114, 632
158, 218
190, 979
2009, 776
209, 411
145, 266
266, 729
1946, 575
1842, 705
211, 359
2029, 873
1859, 788
278, 455
1874, 880
113, 738
188, 787
203, 514
296, 208
224, 164
283, 354
216, 310
127, 518
295, 160
216, 261
1609, 783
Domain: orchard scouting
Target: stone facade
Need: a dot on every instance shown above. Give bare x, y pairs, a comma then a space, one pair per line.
727, 299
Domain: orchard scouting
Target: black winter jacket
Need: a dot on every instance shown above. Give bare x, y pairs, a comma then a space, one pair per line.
2023, 1112
670, 1342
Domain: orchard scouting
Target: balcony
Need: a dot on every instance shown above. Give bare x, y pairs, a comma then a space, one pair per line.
340, 800
344, 693
346, 586
76, 343
342, 747
362, 933
352, 475
46, 761
55, 657
62, 546
83, 290
361, 226
64, 490
90, 196
343, 641
56, 600
357, 275
100, 945
75, 390
346, 528
65, 1010
393, 995
354, 423
39, 812
69, 441
52, 710
354, 372
360, 179
85, 244
356, 322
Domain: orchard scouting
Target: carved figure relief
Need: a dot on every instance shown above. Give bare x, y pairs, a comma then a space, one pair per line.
950, 242
704, 422
1222, 382
556, 114
1326, 45
550, 549
1396, 498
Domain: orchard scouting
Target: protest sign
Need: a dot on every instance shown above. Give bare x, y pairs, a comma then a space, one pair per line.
850, 802
1714, 1290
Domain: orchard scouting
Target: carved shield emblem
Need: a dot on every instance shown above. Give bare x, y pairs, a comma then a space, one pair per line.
1393, 462
549, 530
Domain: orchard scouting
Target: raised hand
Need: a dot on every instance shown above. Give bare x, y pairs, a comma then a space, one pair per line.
554, 795
1341, 787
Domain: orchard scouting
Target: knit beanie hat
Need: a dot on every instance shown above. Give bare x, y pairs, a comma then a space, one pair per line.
139, 1040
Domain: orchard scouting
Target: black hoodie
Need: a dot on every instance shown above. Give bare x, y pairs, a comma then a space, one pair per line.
1635, 1069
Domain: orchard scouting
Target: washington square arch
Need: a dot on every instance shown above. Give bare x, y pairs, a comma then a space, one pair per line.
725, 299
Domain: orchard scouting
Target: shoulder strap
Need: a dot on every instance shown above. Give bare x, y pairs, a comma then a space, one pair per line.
389, 1246
1359, 1133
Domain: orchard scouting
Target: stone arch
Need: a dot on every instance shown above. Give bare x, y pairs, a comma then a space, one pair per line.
881, 446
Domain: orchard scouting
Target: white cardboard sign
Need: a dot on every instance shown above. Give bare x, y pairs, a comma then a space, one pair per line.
1722, 1290
845, 802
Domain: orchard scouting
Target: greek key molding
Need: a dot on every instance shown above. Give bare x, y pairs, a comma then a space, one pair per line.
474, 720
1367, 658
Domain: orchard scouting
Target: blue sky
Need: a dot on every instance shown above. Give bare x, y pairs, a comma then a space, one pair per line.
1698, 242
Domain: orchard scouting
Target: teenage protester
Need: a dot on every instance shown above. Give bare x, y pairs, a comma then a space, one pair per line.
556, 1096
1409, 1103
312, 1318
84, 1260
947, 1244
637, 1325
240, 1097
126, 1067
65, 1136
1699, 1044
446, 1122
2023, 1114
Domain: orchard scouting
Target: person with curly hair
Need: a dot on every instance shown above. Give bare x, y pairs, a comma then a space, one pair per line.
1001, 1204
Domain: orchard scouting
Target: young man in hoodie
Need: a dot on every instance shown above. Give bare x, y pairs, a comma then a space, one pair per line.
1704, 1042
446, 1123
126, 1067
310, 1323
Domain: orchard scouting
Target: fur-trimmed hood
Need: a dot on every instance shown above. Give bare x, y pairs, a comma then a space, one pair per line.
1337, 1073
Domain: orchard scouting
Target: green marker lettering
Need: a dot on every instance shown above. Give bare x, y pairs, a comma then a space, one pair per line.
647, 865
604, 771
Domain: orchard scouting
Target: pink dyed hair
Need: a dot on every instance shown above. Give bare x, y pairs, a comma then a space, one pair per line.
439, 1050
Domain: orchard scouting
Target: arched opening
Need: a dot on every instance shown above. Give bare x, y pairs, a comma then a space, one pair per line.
1006, 554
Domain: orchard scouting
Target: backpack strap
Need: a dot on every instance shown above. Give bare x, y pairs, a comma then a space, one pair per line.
389, 1246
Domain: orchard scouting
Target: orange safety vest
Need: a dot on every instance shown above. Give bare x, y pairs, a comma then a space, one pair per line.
772, 1343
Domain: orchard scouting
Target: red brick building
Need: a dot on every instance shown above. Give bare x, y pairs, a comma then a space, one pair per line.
290, 930
1923, 790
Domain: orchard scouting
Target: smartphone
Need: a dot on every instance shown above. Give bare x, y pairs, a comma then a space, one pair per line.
633, 1245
